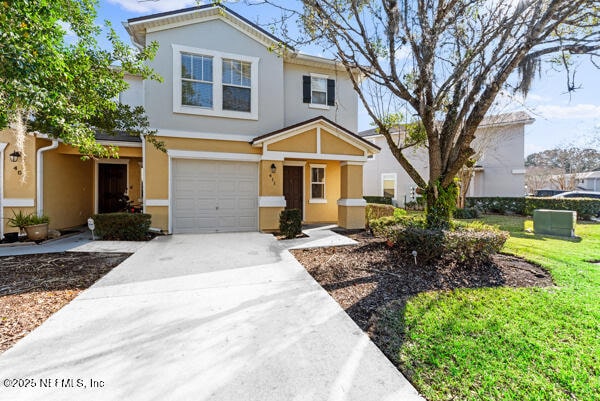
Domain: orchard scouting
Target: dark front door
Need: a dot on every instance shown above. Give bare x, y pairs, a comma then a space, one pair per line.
292, 187
112, 186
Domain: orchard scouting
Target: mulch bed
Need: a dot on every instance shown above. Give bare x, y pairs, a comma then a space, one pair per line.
364, 278
33, 287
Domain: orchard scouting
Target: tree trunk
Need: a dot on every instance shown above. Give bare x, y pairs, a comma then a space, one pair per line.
441, 202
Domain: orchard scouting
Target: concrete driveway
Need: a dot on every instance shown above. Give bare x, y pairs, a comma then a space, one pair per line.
202, 317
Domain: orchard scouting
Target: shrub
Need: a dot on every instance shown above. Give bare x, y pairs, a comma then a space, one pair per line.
290, 223
122, 226
467, 213
398, 212
585, 207
383, 200
496, 204
21, 220
376, 210
418, 204
467, 243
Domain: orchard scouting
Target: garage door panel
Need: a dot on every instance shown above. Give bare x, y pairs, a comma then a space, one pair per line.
214, 196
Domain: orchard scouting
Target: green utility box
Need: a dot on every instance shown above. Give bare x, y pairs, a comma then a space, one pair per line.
554, 222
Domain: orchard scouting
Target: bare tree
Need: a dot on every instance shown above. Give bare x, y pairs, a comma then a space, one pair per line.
537, 178
447, 60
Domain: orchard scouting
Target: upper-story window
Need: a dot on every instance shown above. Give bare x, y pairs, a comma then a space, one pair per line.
318, 91
196, 80
207, 82
237, 88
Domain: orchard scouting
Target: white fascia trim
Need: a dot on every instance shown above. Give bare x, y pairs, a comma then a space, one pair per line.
295, 163
271, 201
352, 202
18, 202
518, 171
352, 163
157, 202
204, 135
217, 84
317, 201
190, 154
269, 155
121, 144
39, 179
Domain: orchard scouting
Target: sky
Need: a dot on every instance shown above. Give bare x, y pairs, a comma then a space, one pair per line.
562, 119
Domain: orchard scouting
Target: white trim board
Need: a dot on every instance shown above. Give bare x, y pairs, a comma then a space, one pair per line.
204, 135
157, 202
18, 202
271, 201
191, 154
352, 202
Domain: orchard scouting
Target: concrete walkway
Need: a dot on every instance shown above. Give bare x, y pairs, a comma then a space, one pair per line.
81, 242
202, 317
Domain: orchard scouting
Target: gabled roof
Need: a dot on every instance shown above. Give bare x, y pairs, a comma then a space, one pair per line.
137, 27
497, 120
272, 135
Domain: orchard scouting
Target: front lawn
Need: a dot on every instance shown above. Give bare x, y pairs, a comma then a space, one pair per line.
510, 343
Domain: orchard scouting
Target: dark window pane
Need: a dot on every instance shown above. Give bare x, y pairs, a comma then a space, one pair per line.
186, 66
319, 97
196, 94
318, 174
317, 191
207, 70
236, 99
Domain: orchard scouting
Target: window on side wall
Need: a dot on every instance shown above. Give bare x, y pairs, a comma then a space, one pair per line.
388, 184
317, 184
318, 91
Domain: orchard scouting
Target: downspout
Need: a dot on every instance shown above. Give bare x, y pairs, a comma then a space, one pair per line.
39, 176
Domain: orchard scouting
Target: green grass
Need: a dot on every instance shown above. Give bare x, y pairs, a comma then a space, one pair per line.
507, 343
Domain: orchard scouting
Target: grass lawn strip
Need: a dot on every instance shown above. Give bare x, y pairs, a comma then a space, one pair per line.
33, 287
492, 342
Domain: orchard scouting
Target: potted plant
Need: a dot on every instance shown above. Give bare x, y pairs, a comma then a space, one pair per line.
37, 227
19, 220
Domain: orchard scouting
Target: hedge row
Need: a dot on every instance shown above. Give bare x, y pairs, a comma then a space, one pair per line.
382, 200
470, 244
122, 226
585, 207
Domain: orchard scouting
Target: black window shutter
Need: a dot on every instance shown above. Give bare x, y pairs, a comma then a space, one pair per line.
306, 88
331, 92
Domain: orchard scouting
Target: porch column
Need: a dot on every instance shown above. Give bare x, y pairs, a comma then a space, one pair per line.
270, 197
351, 205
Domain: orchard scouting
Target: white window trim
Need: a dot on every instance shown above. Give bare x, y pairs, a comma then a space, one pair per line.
324, 199
388, 176
217, 109
318, 105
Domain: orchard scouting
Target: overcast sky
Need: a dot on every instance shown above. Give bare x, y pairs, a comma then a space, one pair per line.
561, 118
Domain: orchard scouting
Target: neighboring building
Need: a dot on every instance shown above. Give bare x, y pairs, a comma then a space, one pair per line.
499, 171
248, 133
586, 181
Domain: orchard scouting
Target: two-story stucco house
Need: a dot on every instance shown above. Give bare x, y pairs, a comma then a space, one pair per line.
248, 132
499, 169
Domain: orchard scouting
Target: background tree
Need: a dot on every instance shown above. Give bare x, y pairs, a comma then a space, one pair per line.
446, 61
66, 86
568, 160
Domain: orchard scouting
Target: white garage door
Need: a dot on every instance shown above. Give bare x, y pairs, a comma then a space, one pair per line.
214, 196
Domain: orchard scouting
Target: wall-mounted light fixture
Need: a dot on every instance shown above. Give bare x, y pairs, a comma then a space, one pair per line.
273, 168
14, 156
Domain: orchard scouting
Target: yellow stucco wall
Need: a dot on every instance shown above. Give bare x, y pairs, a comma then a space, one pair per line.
330, 144
18, 186
68, 189
135, 180
305, 142
271, 184
352, 177
124, 152
351, 217
269, 218
323, 212
160, 216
